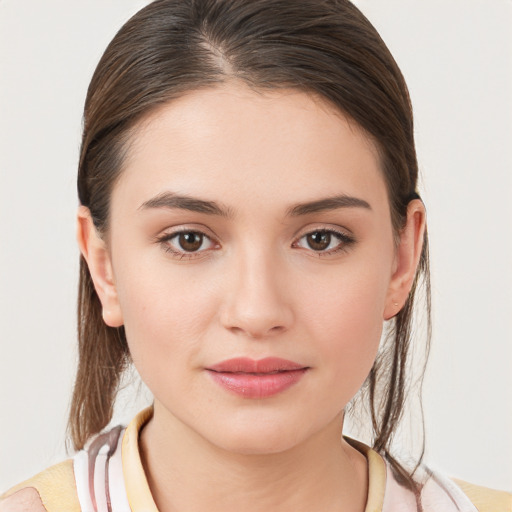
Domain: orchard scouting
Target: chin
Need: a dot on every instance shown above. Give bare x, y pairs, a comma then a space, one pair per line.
259, 437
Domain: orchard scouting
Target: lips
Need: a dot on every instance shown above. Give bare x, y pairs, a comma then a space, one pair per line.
262, 378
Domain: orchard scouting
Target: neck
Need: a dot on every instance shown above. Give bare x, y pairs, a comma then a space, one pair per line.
187, 473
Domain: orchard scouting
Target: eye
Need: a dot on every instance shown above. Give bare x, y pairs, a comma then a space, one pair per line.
189, 241
325, 241
186, 243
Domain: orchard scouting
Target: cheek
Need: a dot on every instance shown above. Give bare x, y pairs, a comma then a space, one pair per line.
346, 324
166, 314
355, 328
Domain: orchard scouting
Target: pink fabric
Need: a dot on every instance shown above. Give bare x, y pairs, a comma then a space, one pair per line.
438, 494
100, 483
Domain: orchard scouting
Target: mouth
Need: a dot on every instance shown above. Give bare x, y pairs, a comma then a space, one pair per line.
262, 378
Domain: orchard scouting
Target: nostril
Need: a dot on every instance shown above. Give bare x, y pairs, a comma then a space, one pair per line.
255, 333
256, 311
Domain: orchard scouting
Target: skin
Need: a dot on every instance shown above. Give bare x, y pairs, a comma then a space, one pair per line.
255, 288
22, 501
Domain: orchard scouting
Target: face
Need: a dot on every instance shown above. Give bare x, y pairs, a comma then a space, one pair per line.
252, 264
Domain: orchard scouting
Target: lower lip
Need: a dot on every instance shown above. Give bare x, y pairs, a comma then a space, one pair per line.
250, 385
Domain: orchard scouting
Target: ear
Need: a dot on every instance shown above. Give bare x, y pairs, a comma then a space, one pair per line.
95, 252
407, 257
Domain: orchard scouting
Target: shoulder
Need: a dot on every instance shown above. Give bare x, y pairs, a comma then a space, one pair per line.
439, 493
94, 473
442, 493
26, 499
51, 490
485, 499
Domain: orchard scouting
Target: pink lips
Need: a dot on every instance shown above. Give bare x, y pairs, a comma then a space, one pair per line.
256, 378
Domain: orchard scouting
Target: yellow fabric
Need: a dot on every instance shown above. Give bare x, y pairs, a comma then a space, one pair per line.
137, 487
485, 499
56, 487
376, 476
141, 500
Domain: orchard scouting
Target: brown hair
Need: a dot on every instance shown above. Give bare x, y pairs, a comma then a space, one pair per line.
325, 47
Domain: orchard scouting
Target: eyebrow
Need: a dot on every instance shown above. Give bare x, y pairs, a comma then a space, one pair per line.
329, 203
171, 200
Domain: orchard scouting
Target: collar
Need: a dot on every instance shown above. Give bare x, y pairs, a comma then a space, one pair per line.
141, 500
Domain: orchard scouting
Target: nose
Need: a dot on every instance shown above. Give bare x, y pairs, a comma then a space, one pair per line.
255, 303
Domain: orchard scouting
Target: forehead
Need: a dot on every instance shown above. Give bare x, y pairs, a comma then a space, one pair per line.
233, 141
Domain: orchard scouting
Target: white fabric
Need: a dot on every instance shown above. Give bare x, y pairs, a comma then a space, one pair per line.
396, 497
439, 494
118, 497
81, 470
116, 487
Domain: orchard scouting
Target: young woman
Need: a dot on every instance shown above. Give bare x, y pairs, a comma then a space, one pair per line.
252, 241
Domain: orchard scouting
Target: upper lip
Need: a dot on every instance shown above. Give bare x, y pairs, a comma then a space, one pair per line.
247, 365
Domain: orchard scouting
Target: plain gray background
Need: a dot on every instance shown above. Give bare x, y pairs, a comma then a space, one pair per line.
456, 56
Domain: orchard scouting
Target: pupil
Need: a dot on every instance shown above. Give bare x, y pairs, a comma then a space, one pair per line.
190, 241
319, 240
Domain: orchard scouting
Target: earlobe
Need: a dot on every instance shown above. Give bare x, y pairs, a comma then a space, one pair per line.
408, 255
95, 252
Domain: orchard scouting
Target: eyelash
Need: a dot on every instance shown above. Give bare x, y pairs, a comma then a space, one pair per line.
165, 242
345, 242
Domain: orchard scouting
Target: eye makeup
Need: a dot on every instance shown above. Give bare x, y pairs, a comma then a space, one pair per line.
192, 243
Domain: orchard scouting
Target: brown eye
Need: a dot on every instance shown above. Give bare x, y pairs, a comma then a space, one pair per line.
187, 244
325, 241
319, 240
190, 241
